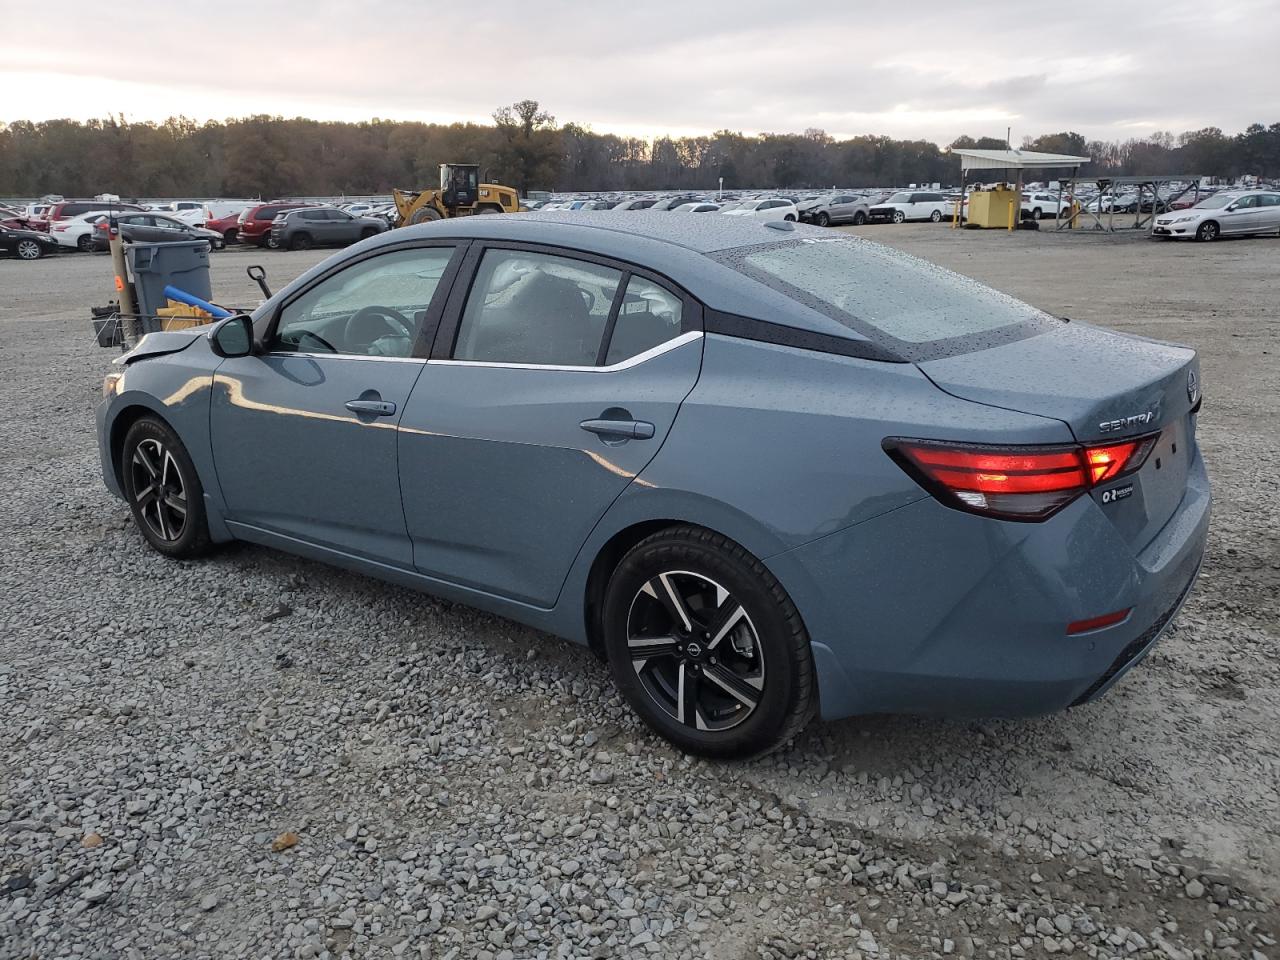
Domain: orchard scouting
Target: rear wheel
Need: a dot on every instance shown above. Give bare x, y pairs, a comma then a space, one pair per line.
270, 242
300, 241
84, 243
936, 216
706, 645
231, 236
859, 218
29, 250
790, 218
163, 490
1207, 231
822, 220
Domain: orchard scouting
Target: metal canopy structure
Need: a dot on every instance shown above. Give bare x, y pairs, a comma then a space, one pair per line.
1162, 197
1018, 160
1014, 160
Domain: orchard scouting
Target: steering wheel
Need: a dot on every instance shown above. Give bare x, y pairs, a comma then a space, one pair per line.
369, 323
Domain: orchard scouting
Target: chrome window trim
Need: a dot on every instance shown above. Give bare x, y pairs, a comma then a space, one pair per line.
340, 356
664, 347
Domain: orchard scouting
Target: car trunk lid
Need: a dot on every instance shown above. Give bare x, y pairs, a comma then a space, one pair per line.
1106, 387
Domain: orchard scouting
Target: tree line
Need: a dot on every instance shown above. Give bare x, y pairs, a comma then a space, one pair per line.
265, 156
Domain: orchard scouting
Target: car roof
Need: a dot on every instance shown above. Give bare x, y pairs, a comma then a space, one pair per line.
676, 247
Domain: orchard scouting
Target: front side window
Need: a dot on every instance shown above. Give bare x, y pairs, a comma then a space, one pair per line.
373, 308
1247, 203
536, 308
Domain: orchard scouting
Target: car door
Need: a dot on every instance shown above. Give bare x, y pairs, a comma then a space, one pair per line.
1243, 216
304, 431
1269, 212
552, 383
344, 226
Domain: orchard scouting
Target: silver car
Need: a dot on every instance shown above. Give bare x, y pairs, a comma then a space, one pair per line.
1237, 213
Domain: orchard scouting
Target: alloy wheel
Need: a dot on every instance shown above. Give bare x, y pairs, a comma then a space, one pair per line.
695, 651
159, 492
28, 250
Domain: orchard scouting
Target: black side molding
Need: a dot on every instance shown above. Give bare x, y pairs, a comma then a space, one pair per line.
762, 331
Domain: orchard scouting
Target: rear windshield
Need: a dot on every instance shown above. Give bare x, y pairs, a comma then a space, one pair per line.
913, 307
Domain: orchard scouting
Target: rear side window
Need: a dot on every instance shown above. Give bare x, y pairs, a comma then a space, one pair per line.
536, 308
913, 307
648, 317
266, 213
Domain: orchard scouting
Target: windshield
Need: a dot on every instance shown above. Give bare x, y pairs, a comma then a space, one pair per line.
910, 305
1216, 202
900, 198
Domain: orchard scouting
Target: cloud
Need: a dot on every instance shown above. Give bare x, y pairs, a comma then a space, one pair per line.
663, 66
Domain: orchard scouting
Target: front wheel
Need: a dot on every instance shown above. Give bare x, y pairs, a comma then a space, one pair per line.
1207, 231
899, 216
163, 490
790, 218
936, 216
29, 250
822, 220
706, 645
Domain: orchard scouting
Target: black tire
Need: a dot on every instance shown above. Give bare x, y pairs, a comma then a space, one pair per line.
425, 215
368, 232
231, 236
822, 220
84, 243
1208, 231
171, 519
269, 242
1037, 214
765, 637
859, 218
790, 218
899, 217
936, 216
300, 241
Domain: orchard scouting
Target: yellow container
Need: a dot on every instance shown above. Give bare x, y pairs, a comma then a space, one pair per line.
992, 208
180, 316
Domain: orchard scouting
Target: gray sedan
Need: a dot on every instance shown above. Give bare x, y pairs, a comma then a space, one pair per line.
764, 471
148, 227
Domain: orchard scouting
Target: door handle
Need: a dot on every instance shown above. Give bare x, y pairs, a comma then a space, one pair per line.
376, 408
620, 429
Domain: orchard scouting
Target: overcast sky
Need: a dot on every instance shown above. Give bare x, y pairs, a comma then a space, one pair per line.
931, 69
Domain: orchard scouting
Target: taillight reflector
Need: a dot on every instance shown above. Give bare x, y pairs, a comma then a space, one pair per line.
1097, 623
1015, 482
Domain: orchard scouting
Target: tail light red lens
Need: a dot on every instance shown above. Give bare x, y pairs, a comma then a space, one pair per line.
1015, 482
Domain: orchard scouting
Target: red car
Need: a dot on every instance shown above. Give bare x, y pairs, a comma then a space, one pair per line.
65, 209
228, 226
254, 225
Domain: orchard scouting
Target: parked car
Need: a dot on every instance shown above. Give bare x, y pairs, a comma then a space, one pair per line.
321, 227
27, 244
800, 476
697, 208
670, 203
150, 227
835, 208
769, 208
65, 209
640, 203
228, 226
1222, 215
909, 205
1042, 206
77, 232
254, 223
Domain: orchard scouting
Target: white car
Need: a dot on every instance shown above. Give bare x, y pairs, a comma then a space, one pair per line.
76, 233
910, 205
770, 208
696, 208
1042, 205
1222, 215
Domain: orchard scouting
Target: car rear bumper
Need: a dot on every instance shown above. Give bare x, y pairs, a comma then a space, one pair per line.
929, 610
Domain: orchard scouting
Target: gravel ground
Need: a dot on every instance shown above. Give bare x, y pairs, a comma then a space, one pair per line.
256, 756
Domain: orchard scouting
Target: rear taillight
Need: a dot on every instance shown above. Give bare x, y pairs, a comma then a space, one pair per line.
1015, 482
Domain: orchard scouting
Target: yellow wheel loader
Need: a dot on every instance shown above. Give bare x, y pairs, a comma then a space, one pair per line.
461, 194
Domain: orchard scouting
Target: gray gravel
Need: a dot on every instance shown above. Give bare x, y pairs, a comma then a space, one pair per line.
257, 756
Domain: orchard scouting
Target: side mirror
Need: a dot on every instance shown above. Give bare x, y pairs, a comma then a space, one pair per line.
1232, 206
233, 337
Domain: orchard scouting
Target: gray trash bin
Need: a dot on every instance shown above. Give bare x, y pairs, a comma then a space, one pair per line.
183, 264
